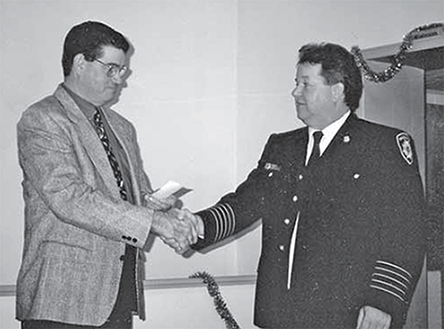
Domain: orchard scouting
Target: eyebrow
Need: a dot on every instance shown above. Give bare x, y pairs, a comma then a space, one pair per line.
113, 63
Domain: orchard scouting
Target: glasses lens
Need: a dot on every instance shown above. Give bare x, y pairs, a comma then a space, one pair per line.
112, 70
123, 71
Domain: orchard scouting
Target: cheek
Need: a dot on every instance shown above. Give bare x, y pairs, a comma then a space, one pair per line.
318, 99
99, 84
310, 98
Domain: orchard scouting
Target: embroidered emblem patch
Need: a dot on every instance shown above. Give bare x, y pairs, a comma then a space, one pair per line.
272, 166
403, 141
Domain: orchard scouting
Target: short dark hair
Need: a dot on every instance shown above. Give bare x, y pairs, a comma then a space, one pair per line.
88, 38
338, 65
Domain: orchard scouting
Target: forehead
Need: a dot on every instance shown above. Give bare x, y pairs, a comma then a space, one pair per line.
307, 71
112, 54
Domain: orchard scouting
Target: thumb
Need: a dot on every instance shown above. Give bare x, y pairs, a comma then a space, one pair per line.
178, 213
360, 318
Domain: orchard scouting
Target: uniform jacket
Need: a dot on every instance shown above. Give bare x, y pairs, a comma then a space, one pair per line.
76, 224
360, 229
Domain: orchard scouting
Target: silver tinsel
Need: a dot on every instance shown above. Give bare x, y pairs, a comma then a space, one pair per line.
398, 60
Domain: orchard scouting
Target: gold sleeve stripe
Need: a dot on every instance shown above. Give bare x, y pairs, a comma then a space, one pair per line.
387, 291
391, 278
224, 218
393, 265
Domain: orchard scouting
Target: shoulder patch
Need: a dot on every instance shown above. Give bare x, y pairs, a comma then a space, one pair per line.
403, 141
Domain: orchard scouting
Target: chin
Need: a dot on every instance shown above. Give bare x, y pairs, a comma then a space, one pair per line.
303, 115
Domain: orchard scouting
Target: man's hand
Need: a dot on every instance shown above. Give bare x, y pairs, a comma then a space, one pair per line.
195, 220
372, 318
160, 204
174, 230
196, 225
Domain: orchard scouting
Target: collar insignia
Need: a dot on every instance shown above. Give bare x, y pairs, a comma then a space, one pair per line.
272, 166
403, 141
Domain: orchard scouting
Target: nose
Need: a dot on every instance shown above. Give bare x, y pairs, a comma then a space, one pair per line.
296, 92
117, 79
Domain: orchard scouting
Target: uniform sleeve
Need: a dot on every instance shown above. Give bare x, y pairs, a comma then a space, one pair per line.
237, 210
401, 237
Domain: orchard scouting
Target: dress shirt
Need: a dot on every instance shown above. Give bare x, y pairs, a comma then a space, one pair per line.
329, 133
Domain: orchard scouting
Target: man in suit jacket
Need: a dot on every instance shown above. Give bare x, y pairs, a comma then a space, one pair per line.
84, 186
342, 234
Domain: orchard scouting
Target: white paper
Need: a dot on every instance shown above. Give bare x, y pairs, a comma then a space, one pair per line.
171, 188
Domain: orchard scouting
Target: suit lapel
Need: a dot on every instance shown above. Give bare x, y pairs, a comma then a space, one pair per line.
89, 139
343, 137
126, 143
296, 150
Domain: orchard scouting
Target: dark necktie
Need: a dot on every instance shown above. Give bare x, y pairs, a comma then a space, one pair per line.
316, 152
111, 157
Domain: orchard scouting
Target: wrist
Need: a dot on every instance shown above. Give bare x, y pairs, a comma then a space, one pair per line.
200, 227
158, 223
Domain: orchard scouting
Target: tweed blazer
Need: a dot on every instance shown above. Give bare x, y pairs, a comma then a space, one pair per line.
359, 221
76, 224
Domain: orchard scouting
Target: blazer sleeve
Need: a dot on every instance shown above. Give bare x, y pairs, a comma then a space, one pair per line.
60, 177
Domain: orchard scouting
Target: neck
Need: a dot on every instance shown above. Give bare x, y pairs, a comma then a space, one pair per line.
338, 113
77, 88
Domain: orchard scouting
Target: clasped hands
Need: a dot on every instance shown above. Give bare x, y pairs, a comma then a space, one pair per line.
178, 228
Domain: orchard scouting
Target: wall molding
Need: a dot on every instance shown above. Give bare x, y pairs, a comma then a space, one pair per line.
8, 290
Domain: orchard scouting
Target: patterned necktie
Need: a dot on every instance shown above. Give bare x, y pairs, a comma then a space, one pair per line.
316, 152
100, 129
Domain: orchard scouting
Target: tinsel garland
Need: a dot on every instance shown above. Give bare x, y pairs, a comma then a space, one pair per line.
397, 61
221, 306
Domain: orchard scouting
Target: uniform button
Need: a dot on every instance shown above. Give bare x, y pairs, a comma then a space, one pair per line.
122, 258
281, 247
134, 240
124, 237
286, 221
295, 198
300, 177
270, 174
356, 176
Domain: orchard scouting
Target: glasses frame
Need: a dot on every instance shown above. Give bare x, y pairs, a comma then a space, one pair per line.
113, 68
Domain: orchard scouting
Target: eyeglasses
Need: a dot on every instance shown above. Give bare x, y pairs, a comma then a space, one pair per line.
113, 69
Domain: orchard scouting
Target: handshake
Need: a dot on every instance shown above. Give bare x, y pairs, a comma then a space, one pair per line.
178, 228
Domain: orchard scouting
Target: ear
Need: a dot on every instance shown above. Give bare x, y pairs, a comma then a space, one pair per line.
337, 91
78, 63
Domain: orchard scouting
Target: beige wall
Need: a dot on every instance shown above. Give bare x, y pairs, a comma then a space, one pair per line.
211, 80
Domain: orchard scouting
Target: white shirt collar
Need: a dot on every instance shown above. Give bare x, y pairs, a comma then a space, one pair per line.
329, 133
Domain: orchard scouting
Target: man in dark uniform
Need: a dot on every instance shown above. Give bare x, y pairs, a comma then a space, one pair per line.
342, 212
